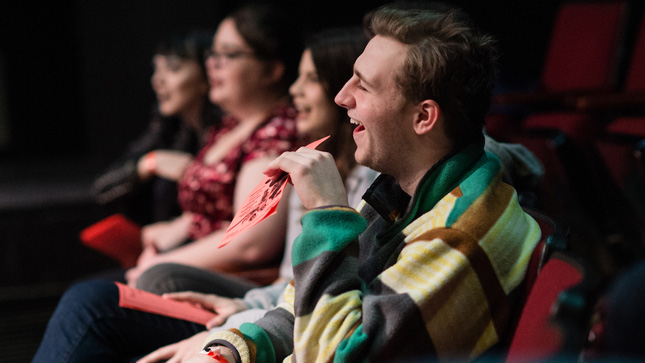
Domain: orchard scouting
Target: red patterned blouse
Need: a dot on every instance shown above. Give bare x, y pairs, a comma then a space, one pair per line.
207, 190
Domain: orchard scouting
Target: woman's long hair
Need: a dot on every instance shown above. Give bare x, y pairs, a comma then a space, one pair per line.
334, 52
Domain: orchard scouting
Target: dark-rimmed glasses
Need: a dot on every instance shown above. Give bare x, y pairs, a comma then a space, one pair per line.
228, 56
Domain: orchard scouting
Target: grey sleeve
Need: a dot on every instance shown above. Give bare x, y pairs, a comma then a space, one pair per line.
522, 169
264, 297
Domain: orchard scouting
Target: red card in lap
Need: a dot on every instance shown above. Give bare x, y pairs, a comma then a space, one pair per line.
115, 236
260, 204
145, 301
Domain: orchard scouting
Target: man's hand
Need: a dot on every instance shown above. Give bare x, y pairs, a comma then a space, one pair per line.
200, 358
223, 307
314, 175
179, 352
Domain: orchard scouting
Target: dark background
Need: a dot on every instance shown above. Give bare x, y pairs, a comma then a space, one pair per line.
75, 89
75, 74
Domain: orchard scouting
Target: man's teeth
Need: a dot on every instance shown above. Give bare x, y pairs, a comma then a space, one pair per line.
354, 122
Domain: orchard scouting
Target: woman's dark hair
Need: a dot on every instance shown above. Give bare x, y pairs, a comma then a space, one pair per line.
334, 52
273, 35
189, 45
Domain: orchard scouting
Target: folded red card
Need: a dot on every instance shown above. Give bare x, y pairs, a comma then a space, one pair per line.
260, 204
136, 299
115, 236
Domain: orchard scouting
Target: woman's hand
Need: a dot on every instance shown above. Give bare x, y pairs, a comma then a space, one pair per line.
168, 164
148, 258
180, 351
222, 306
166, 235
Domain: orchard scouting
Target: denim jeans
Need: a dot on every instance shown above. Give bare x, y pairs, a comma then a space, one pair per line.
89, 326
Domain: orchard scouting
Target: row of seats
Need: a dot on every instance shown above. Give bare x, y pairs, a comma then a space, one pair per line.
586, 123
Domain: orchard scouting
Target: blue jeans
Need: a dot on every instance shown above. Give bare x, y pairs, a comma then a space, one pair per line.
89, 326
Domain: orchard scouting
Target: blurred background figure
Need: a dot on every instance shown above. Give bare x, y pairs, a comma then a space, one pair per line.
142, 183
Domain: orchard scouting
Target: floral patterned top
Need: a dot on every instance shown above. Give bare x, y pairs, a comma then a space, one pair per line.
207, 190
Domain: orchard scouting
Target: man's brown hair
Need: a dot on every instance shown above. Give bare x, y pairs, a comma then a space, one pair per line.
447, 61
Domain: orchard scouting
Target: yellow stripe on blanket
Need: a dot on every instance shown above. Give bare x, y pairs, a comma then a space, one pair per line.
316, 336
435, 218
421, 272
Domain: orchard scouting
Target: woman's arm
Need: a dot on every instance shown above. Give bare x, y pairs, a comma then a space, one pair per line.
167, 234
165, 163
260, 244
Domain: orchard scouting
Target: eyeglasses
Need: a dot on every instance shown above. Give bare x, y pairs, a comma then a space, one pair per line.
226, 57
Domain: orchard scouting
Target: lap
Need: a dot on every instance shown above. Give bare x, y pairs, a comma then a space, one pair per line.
171, 277
88, 325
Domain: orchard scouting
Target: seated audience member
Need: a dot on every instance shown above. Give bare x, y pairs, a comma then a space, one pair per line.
142, 183
427, 270
522, 169
253, 62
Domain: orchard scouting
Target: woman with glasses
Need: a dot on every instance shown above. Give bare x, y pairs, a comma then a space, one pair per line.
251, 64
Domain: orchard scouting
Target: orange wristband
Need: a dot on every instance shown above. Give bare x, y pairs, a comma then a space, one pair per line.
150, 162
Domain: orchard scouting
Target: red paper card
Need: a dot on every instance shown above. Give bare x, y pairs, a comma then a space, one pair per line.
145, 301
115, 236
260, 204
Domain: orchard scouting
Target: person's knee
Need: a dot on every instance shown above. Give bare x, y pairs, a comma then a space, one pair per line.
88, 292
158, 278
86, 301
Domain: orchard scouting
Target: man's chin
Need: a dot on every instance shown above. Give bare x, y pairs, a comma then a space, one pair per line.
359, 157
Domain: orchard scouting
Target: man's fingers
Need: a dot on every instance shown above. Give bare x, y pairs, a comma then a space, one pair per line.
275, 167
290, 160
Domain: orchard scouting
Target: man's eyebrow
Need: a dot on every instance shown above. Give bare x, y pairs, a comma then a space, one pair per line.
362, 78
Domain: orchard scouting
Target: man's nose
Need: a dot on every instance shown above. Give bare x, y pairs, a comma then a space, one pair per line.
343, 98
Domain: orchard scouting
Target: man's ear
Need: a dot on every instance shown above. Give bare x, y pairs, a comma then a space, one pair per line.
427, 116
